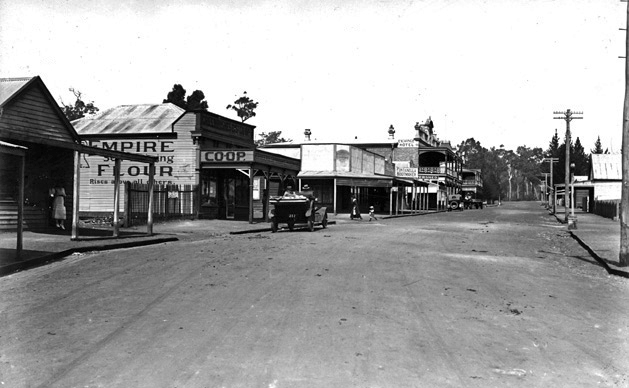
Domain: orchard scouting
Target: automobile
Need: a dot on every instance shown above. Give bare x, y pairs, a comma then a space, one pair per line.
455, 202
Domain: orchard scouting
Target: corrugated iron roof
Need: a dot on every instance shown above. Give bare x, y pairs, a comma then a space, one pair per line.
606, 167
130, 119
10, 86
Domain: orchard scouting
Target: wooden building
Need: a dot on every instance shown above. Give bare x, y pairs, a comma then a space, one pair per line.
215, 154
338, 171
32, 122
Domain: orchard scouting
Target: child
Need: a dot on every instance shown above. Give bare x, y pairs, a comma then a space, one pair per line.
371, 214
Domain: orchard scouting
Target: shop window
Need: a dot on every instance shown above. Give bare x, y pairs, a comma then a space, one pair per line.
208, 192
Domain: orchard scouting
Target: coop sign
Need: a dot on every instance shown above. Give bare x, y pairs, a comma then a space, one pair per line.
227, 156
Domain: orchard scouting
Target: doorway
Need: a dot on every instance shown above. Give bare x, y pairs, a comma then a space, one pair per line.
230, 198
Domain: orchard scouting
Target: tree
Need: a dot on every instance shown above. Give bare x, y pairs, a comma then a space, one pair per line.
270, 138
598, 147
553, 147
556, 150
195, 101
528, 162
244, 107
177, 96
471, 152
580, 159
79, 109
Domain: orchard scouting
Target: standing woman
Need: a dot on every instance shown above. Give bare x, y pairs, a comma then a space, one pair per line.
58, 206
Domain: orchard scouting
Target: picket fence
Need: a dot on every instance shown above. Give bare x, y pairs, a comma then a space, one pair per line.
607, 209
169, 202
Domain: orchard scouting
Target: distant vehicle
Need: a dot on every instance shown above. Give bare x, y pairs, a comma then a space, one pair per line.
470, 200
472, 188
455, 202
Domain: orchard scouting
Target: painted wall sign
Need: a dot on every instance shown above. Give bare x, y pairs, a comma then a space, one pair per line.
407, 143
176, 164
406, 172
227, 156
428, 177
168, 169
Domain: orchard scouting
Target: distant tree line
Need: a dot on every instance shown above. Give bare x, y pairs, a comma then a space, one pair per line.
516, 175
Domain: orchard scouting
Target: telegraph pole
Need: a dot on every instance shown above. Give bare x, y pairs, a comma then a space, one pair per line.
552, 187
568, 116
624, 202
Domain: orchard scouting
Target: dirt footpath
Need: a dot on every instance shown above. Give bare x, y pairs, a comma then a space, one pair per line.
481, 298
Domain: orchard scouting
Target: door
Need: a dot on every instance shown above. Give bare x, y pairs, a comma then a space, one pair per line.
230, 198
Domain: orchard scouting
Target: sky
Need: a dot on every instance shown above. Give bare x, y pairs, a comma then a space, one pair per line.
492, 70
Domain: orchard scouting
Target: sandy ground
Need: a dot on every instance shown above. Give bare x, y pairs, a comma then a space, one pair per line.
500, 297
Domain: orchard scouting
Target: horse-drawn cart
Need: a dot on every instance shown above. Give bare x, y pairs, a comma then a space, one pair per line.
297, 209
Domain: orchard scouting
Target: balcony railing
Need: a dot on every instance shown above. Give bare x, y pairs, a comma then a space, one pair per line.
472, 182
437, 170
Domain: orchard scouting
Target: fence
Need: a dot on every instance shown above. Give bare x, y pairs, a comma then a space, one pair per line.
607, 209
169, 202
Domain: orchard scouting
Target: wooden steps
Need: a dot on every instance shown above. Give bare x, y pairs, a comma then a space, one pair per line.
34, 217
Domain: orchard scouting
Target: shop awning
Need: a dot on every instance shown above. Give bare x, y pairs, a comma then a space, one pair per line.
349, 178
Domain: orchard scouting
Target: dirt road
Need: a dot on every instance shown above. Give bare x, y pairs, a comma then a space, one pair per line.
481, 298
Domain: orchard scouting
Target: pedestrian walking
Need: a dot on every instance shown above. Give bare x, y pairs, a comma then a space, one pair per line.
58, 206
355, 209
372, 214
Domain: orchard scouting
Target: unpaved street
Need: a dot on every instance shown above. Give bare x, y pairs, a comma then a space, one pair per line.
480, 298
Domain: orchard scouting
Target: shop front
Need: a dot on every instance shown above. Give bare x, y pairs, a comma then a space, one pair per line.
198, 153
237, 183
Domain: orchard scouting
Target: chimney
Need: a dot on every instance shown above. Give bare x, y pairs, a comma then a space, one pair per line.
307, 133
391, 132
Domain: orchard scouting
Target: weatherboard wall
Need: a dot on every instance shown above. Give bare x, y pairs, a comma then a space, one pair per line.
176, 165
32, 118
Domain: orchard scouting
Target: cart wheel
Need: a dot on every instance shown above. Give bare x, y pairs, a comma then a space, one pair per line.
311, 225
291, 225
324, 222
274, 226
454, 205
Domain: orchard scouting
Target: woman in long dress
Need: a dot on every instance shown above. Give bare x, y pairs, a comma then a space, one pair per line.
59, 207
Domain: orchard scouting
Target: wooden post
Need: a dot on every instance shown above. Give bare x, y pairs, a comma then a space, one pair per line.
76, 189
567, 172
624, 207
20, 208
266, 190
149, 220
335, 210
251, 194
117, 198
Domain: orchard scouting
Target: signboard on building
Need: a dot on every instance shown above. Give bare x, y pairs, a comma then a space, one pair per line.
406, 172
407, 143
428, 177
227, 156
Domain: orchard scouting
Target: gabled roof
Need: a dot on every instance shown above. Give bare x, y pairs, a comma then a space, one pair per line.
131, 119
11, 89
606, 167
